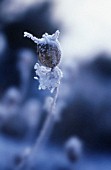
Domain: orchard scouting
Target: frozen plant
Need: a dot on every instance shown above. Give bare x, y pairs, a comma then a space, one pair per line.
73, 149
49, 75
31, 113
26, 59
48, 78
49, 54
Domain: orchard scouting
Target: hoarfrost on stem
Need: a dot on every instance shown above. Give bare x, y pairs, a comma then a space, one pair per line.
48, 78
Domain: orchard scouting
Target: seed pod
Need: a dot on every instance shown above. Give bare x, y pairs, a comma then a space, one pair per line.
49, 51
73, 149
49, 54
48, 48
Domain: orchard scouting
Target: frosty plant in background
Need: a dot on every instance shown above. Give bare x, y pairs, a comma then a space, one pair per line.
73, 149
49, 75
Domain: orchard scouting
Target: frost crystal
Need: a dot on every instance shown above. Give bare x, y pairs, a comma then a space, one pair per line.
48, 78
46, 38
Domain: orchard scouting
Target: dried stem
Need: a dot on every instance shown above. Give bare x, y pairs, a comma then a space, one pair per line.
48, 126
43, 137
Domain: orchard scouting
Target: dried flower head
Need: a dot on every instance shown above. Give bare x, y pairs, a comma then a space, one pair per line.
48, 48
49, 52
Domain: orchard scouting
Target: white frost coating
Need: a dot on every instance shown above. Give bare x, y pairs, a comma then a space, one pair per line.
36, 40
48, 78
46, 38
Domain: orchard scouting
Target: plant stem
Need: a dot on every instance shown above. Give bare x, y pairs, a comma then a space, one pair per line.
48, 126
44, 134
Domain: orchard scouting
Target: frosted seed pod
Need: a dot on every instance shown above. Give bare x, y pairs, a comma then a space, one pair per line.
49, 54
48, 49
73, 149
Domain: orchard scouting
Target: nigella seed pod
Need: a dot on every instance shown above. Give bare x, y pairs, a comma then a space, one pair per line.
49, 54
48, 49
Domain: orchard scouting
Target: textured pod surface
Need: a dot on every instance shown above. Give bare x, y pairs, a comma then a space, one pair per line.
49, 54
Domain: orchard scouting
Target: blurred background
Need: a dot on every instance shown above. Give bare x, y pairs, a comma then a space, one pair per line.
84, 104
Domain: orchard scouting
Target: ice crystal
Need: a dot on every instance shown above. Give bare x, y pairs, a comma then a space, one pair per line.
48, 78
46, 38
